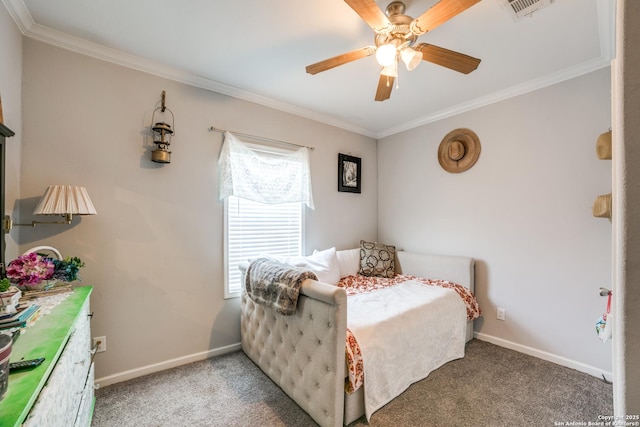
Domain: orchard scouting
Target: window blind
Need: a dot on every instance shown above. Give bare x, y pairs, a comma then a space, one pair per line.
254, 229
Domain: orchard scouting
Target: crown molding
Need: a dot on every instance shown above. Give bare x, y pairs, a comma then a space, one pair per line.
520, 89
95, 50
606, 28
21, 15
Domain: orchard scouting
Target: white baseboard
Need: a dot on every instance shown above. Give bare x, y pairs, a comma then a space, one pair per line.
168, 364
554, 358
157, 367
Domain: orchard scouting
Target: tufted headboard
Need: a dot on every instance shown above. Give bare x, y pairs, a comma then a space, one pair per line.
457, 269
302, 353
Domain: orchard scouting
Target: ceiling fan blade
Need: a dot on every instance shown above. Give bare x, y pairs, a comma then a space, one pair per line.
448, 58
385, 84
440, 13
330, 63
371, 13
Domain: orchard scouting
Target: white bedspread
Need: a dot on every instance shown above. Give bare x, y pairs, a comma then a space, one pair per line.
404, 332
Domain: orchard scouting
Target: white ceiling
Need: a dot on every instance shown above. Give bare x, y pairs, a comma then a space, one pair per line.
257, 50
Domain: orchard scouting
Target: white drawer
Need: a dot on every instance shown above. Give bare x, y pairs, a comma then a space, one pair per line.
85, 411
59, 401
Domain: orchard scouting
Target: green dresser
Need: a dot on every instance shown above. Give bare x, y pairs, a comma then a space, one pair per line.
60, 391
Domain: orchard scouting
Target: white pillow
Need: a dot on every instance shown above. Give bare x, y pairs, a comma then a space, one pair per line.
348, 262
323, 263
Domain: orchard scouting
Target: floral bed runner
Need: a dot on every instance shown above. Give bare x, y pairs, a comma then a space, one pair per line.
356, 285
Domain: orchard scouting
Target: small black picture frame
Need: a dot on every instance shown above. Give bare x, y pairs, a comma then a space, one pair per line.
349, 173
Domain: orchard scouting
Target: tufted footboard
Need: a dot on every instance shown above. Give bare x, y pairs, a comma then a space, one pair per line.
302, 353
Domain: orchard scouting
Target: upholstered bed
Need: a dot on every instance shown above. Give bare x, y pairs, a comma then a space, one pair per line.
304, 353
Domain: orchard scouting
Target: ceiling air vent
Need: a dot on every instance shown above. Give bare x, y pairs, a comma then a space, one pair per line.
522, 8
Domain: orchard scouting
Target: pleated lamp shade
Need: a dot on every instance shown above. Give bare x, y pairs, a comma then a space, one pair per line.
65, 199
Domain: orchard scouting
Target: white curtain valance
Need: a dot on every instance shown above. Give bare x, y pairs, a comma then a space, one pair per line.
265, 177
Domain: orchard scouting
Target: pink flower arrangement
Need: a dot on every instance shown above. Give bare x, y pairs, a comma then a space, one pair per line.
30, 269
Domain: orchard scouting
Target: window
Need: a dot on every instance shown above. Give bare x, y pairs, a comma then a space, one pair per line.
264, 189
254, 229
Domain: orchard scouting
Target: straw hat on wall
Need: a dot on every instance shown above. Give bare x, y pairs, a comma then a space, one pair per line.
459, 150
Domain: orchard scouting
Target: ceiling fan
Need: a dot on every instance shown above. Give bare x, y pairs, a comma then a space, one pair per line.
395, 38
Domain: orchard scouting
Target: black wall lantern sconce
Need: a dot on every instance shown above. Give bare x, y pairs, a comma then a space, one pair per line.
162, 133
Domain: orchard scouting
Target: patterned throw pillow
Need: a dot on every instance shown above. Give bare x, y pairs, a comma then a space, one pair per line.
377, 259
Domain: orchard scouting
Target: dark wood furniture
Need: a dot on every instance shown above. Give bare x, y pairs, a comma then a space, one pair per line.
5, 132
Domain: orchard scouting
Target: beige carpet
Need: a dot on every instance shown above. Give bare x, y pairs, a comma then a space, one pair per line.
490, 386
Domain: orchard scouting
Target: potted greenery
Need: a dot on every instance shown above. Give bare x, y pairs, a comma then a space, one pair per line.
9, 297
5, 284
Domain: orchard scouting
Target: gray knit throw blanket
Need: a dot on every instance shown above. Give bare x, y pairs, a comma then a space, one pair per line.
276, 285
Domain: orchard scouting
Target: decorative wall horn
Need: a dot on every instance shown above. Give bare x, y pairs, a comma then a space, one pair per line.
603, 205
162, 133
604, 147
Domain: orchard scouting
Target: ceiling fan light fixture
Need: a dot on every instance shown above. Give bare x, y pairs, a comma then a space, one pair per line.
386, 54
395, 34
411, 58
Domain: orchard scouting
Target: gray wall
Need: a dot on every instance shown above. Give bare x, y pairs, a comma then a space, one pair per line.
523, 211
11, 93
154, 252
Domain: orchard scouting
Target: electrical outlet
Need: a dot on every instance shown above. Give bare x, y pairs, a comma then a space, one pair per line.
502, 313
100, 344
